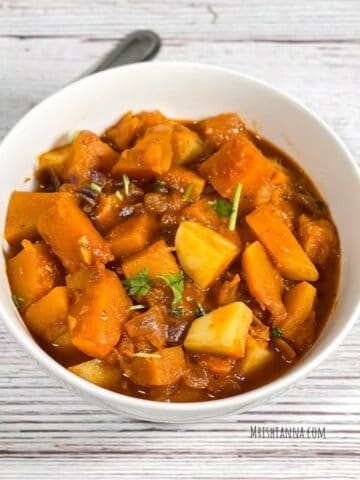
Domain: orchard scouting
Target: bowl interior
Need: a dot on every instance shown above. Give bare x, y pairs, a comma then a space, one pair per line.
195, 91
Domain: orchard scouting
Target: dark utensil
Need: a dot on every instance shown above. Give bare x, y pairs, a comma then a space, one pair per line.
138, 46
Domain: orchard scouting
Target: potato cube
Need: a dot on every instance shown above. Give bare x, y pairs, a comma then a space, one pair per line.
132, 235
157, 259
97, 313
151, 155
186, 144
47, 318
165, 367
203, 254
23, 213
72, 236
32, 273
257, 357
222, 331
64, 351
270, 228
98, 372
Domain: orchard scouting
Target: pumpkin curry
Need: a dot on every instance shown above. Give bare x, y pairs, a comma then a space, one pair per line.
172, 260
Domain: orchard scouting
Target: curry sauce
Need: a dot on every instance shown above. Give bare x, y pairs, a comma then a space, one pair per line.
173, 260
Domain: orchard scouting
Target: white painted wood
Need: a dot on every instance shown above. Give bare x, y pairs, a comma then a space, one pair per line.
311, 50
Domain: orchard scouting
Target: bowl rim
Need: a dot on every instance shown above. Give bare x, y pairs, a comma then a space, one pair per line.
235, 402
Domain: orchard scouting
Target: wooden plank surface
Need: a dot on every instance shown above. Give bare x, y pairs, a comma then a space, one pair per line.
310, 49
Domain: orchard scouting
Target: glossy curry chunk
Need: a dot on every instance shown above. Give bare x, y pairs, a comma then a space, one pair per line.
172, 260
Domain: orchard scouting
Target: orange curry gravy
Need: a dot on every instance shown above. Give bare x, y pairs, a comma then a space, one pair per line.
204, 375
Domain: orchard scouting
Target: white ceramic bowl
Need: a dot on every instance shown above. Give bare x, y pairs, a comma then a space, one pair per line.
184, 90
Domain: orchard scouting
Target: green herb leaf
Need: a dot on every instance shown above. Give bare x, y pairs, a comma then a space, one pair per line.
138, 284
188, 190
176, 283
126, 181
177, 312
160, 186
74, 135
119, 195
275, 332
200, 311
235, 207
95, 187
222, 207
17, 300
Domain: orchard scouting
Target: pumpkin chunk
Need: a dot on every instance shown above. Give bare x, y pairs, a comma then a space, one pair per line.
165, 367
203, 212
150, 156
32, 273
47, 318
23, 213
238, 161
97, 313
181, 179
299, 303
98, 372
130, 126
107, 212
221, 128
89, 153
222, 331
274, 233
203, 254
263, 280
157, 259
150, 325
318, 238
71, 235
132, 235
56, 158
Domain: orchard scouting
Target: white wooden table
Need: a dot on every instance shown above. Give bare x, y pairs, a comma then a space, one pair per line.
308, 48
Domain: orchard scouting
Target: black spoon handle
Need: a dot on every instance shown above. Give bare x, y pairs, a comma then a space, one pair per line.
138, 46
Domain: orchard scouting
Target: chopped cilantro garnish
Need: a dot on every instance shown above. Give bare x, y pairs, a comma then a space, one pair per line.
138, 284
222, 207
119, 195
275, 332
160, 186
176, 283
177, 312
17, 300
235, 207
95, 187
188, 191
200, 311
126, 182
74, 136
